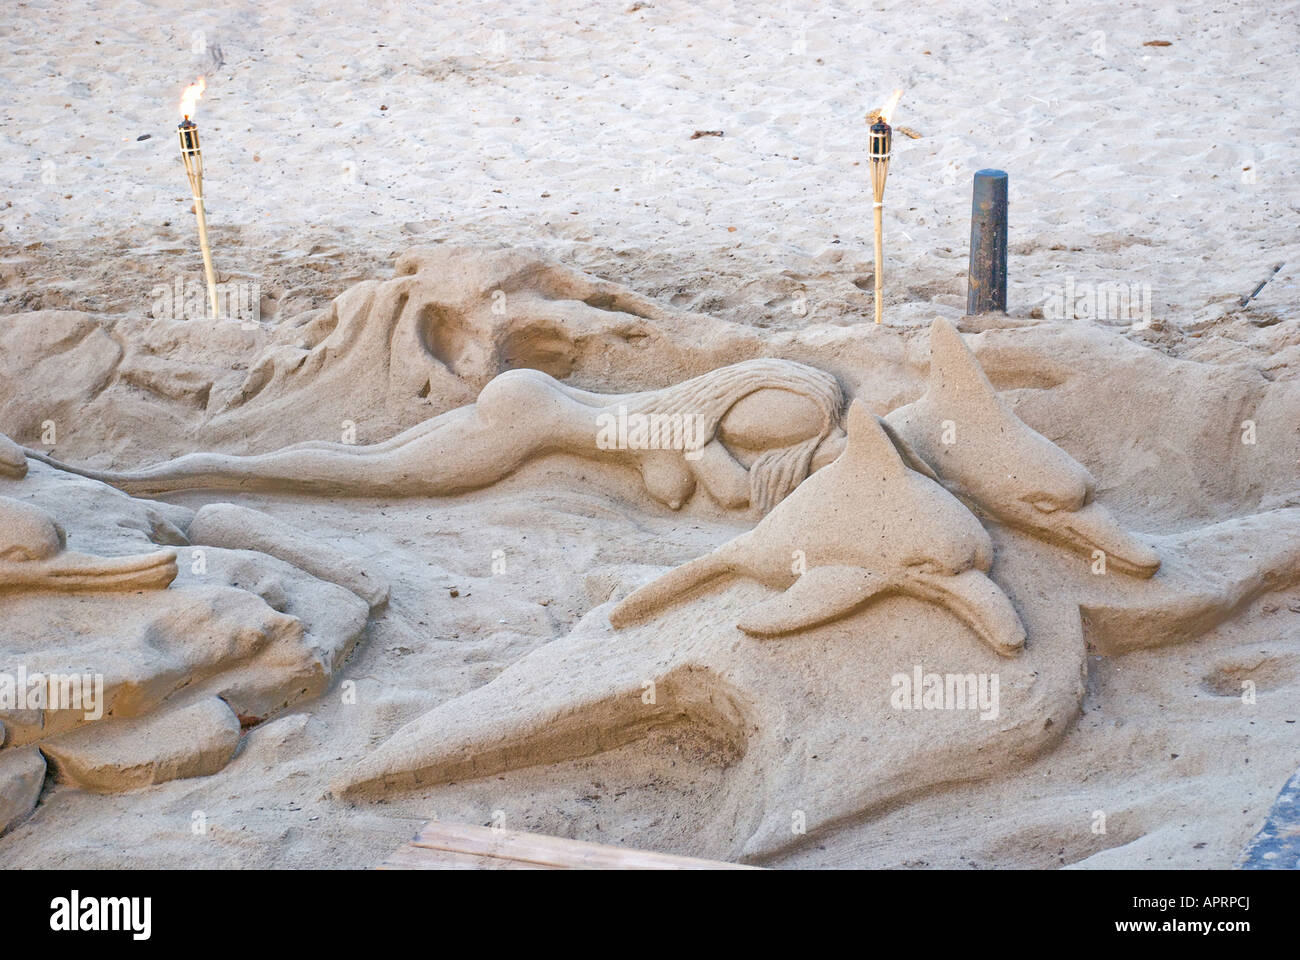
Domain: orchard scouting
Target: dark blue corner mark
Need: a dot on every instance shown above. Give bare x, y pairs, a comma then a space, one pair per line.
1277, 845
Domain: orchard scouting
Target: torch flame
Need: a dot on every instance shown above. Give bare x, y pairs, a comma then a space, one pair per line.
191, 95
887, 111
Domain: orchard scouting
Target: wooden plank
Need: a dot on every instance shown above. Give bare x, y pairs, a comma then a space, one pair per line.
408, 857
461, 846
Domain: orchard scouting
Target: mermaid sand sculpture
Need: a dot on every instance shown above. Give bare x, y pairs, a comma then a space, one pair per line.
758, 429
754, 431
763, 426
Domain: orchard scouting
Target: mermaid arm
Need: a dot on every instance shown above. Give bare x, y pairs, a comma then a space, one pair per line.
721, 474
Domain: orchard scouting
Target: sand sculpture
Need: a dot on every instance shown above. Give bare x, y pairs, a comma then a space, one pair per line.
782, 682
747, 433
385, 354
990, 458
960, 434
774, 655
121, 668
863, 527
449, 320
780, 704
33, 556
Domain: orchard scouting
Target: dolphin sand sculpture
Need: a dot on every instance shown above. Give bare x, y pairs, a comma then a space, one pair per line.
986, 455
807, 724
863, 527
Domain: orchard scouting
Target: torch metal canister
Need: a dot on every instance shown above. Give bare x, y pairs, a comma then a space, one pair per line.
192, 156
879, 142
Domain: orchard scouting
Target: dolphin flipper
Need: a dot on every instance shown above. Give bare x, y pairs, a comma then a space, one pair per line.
647, 599
819, 595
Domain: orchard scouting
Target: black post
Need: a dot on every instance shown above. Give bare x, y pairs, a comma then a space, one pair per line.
986, 277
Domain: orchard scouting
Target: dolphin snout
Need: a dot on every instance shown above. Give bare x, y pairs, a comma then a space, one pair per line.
976, 600
1093, 527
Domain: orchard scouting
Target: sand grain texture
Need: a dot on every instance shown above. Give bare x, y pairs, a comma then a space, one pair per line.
431, 197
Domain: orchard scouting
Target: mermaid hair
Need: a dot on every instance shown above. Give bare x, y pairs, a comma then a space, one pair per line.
711, 395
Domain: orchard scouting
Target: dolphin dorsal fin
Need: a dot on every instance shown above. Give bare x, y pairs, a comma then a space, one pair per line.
868, 445
955, 374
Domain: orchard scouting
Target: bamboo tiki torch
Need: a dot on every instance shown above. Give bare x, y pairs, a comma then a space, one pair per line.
880, 140
192, 156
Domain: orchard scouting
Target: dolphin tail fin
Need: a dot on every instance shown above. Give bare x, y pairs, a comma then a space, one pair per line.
647, 599
818, 596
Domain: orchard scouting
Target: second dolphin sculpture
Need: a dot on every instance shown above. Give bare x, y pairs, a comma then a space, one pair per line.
863, 527
990, 458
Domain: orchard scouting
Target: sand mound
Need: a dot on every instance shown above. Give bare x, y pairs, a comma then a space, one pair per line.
124, 668
495, 655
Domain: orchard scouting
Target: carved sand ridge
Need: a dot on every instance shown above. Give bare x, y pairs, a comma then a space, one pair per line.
13, 463
126, 670
33, 556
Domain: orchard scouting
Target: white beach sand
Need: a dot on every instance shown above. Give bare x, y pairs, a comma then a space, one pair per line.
337, 137
335, 133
